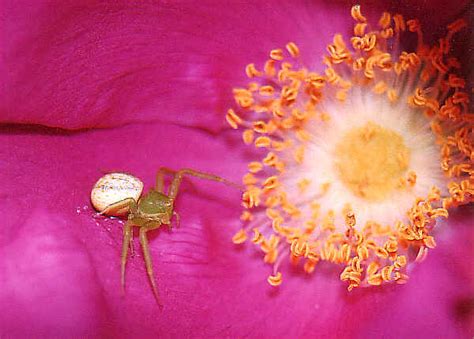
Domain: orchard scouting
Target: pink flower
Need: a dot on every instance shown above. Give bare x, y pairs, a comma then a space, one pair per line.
89, 88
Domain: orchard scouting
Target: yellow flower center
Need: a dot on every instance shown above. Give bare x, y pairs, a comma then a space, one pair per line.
370, 160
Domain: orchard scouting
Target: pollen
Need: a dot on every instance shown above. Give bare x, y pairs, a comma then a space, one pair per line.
370, 161
356, 161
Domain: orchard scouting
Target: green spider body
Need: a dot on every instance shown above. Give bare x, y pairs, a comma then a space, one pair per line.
153, 209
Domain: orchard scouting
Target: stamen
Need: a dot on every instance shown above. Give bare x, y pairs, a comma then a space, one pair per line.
263, 142
251, 71
239, 237
275, 280
384, 21
255, 167
276, 54
233, 119
356, 14
247, 136
293, 49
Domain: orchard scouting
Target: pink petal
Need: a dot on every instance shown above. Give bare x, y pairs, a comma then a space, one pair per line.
48, 286
82, 65
68, 261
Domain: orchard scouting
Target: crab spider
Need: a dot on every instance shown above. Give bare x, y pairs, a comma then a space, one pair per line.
118, 194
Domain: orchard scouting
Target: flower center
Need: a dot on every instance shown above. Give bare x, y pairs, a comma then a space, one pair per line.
370, 161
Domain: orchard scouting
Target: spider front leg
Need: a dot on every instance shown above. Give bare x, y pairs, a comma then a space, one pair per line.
120, 207
148, 263
127, 241
176, 214
160, 178
178, 177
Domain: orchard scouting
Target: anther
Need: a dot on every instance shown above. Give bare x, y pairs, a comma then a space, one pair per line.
269, 68
411, 178
429, 242
350, 219
401, 278
363, 252
293, 49
247, 136
356, 14
246, 216
275, 280
413, 25
399, 23
276, 54
457, 25
303, 184
239, 237
359, 29
255, 167
233, 119
266, 91
263, 142
384, 21
270, 183
386, 273
251, 71
257, 236
400, 262
260, 127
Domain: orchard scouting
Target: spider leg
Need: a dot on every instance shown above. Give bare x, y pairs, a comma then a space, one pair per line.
178, 177
132, 248
148, 263
127, 240
120, 207
160, 178
176, 214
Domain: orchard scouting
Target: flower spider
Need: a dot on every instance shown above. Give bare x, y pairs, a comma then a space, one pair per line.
118, 194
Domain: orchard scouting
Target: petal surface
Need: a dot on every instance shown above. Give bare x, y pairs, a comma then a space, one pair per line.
60, 265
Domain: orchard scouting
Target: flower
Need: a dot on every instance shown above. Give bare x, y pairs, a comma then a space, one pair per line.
105, 87
360, 160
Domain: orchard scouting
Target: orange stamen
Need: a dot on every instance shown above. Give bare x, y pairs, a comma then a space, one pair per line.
293, 49
275, 280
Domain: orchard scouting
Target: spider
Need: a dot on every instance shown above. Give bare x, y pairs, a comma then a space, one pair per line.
118, 194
